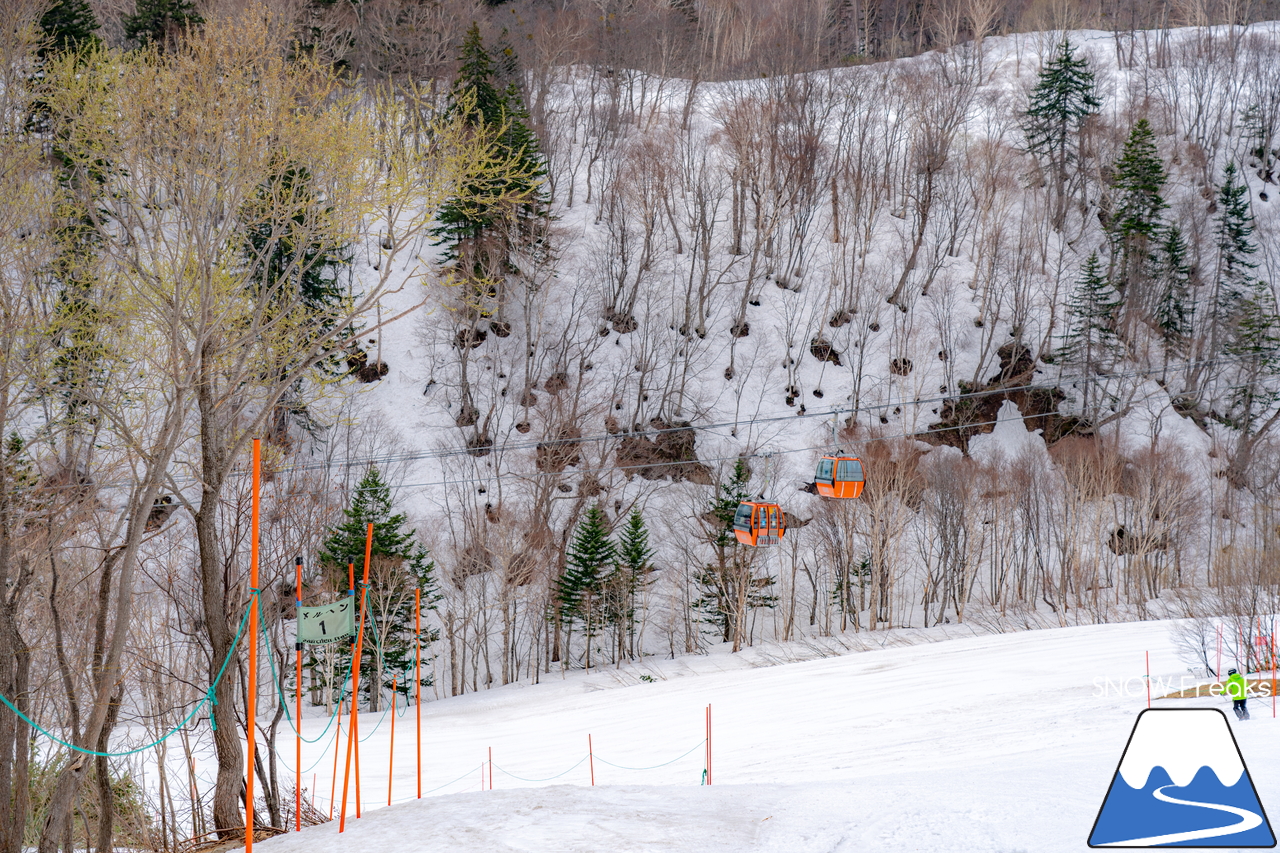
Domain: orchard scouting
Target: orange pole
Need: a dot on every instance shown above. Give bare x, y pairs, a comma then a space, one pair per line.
708, 744
297, 719
391, 756
1148, 679
251, 690
591, 760
337, 741
352, 736
337, 737
355, 730
417, 675
490, 768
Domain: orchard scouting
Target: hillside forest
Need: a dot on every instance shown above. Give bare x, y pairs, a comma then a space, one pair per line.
544, 291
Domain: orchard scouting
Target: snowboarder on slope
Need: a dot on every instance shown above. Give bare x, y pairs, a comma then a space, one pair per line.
1238, 691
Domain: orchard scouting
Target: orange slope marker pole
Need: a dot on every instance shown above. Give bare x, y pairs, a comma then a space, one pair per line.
297, 719
1148, 654
591, 760
417, 675
1218, 672
708, 744
353, 736
337, 744
355, 732
490, 768
391, 755
251, 689
337, 737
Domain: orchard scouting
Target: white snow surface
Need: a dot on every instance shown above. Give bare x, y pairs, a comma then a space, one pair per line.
1200, 739
988, 743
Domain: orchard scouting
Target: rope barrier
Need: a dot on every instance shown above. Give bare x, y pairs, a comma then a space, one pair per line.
209, 699
284, 702
548, 778
698, 745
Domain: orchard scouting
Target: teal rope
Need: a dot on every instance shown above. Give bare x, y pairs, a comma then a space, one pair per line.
284, 702
656, 766
548, 778
324, 753
209, 698
381, 720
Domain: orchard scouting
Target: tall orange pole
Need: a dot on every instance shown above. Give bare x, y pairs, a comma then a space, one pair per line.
391, 755
355, 732
708, 744
417, 676
297, 718
337, 741
352, 737
251, 689
591, 760
337, 735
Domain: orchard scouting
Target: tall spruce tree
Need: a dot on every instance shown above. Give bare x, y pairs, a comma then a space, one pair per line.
1255, 343
728, 585
161, 22
398, 565
306, 274
68, 25
1089, 342
1233, 284
589, 564
495, 217
1232, 232
1064, 97
1136, 225
1173, 301
631, 577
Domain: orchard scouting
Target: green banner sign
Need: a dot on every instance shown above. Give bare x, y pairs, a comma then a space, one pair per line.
328, 623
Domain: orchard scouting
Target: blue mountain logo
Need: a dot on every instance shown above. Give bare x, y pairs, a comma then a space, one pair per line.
1182, 783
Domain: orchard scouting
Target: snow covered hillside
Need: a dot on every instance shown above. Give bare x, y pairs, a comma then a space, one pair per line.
984, 744
862, 259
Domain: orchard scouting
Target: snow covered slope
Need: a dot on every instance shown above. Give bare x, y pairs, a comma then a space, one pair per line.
995, 743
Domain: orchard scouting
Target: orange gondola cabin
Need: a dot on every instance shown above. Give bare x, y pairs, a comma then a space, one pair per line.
759, 523
839, 477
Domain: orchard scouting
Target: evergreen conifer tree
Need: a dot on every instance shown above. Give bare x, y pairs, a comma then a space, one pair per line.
1089, 342
1064, 96
399, 564
68, 25
630, 578
588, 566
1232, 233
1255, 342
491, 219
1136, 222
161, 22
1173, 302
306, 271
1260, 132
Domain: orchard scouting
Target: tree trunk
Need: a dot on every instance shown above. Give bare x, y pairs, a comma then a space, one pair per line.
228, 819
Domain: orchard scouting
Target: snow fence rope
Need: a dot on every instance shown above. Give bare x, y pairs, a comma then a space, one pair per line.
506, 772
698, 745
209, 699
276, 681
546, 779
284, 703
